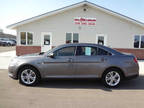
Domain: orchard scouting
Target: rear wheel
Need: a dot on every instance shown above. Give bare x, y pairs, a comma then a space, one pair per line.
112, 77
29, 76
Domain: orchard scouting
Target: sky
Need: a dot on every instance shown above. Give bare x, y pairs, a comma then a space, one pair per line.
12, 11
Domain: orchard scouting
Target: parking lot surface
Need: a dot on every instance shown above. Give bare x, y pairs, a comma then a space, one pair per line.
70, 94
6, 48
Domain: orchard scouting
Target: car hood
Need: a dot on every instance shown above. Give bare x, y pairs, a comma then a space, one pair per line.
35, 55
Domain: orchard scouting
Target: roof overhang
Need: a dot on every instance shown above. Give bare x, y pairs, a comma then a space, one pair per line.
15, 25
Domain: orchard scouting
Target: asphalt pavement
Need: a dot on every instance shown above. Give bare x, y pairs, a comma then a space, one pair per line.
70, 94
86, 93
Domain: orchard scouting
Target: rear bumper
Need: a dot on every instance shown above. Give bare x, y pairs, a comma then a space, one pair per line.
132, 77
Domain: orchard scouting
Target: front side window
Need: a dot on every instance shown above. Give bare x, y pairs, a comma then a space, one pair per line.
72, 37
139, 41
26, 38
68, 51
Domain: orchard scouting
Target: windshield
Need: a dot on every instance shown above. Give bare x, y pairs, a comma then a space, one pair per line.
49, 51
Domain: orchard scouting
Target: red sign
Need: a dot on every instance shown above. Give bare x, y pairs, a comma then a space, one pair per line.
85, 21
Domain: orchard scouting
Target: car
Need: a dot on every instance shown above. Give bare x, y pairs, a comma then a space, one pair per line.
14, 41
2, 43
7, 42
77, 60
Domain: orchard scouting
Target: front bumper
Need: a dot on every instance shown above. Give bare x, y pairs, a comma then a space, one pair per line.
12, 72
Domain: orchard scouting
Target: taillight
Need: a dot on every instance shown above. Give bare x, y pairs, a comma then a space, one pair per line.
135, 60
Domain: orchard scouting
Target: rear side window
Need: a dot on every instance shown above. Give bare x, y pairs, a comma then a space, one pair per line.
90, 51
67, 51
86, 51
103, 52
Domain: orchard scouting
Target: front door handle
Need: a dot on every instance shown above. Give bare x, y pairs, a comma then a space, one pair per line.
103, 59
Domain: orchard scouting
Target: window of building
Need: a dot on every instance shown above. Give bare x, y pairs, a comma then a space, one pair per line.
101, 39
23, 38
29, 38
75, 37
68, 37
72, 37
139, 41
67, 51
26, 38
46, 40
142, 41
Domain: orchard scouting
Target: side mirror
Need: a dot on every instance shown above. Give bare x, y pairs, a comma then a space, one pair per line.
51, 55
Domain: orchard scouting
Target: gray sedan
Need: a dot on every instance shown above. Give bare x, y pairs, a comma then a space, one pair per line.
81, 60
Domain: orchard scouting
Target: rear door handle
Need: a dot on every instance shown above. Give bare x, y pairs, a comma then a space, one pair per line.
70, 60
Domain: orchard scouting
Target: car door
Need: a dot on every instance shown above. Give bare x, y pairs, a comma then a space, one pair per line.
89, 61
61, 65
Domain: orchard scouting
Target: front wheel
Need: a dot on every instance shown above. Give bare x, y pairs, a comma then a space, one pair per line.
28, 76
112, 78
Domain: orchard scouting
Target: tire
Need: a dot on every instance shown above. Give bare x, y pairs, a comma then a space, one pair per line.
112, 78
28, 76
8, 44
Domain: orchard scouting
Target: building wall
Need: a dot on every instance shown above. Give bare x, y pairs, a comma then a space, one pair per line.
139, 53
120, 33
22, 50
